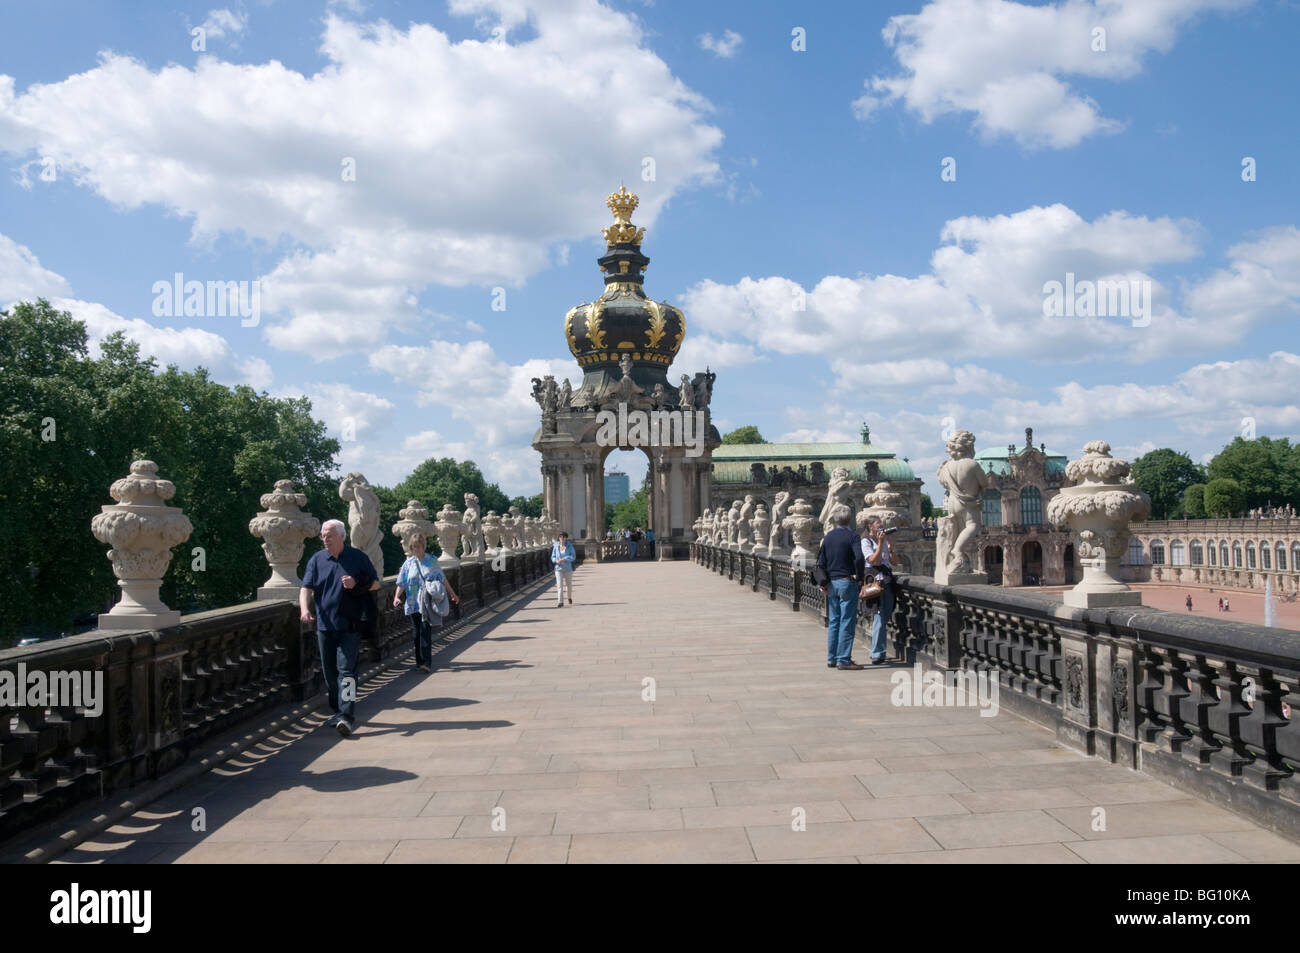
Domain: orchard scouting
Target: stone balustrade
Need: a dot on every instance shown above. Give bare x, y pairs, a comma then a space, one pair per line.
168, 690
1203, 704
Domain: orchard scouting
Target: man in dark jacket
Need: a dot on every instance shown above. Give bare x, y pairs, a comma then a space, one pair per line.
340, 578
841, 559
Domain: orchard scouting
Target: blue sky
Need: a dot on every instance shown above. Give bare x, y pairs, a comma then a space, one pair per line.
487, 133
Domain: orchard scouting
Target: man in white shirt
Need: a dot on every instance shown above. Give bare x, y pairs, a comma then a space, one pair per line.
876, 554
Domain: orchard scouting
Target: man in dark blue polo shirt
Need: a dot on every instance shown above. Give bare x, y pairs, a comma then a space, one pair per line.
841, 559
340, 578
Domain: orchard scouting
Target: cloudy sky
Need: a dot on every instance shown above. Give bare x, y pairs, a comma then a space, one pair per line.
858, 205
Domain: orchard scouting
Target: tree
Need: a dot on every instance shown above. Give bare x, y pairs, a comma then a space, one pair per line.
436, 482
927, 506
70, 426
1194, 501
1224, 498
747, 434
530, 505
632, 512
1164, 475
1268, 471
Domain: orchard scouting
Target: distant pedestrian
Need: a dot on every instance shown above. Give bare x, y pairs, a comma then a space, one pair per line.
562, 557
841, 573
340, 578
650, 541
632, 542
875, 556
1189, 602
1226, 607
1220, 603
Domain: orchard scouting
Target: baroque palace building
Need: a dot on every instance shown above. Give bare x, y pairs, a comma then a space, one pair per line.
1233, 553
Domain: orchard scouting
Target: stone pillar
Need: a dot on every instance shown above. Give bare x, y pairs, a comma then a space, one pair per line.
590, 472
141, 529
566, 498
663, 514
283, 528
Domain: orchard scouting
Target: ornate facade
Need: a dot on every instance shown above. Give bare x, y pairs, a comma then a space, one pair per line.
1017, 546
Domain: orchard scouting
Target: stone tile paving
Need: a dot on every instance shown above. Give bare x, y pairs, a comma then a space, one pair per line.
532, 743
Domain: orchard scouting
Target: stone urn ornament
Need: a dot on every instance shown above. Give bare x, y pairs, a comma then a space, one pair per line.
141, 529
414, 520
800, 523
887, 504
492, 533
448, 527
283, 528
1098, 508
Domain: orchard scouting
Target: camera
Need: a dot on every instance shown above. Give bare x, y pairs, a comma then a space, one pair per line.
890, 529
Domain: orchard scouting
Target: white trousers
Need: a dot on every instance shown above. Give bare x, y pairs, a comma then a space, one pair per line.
563, 584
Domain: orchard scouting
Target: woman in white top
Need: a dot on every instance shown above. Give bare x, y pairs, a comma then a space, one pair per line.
875, 551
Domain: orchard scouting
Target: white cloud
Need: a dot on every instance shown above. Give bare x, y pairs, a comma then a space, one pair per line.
724, 46
984, 297
224, 22
347, 411
512, 153
23, 278
1011, 64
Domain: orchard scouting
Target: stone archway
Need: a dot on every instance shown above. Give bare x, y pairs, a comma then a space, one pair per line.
624, 343
993, 564
1031, 562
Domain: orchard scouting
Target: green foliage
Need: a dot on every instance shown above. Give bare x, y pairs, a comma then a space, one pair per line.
530, 505
222, 448
609, 516
435, 483
632, 512
1164, 475
747, 434
1194, 501
927, 506
1224, 498
1267, 470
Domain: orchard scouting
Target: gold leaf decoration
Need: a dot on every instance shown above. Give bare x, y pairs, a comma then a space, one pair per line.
658, 324
596, 334
681, 332
568, 329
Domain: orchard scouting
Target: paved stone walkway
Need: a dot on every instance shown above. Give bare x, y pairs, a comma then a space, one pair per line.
531, 742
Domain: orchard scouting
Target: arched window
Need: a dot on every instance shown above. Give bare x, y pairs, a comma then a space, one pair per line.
1133, 557
1265, 556
1157, 552
1250, 555
1212, 551
992, 514
1031, 506
1176, 556
1197, 553
1281, 557
1236, 555
1295, 557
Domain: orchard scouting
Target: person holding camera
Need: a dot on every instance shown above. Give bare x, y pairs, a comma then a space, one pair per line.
875, 555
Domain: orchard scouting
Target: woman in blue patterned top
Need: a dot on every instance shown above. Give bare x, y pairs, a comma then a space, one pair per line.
420, 566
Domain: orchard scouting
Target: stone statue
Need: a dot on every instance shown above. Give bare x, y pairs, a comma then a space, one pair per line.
964, 483
658, 396
511, 528
760, 524
838, 492
363, 518
733, 525
745, 539
686, 394
776, 541
566, 394
471, 533
704, 388
492, 533
283, 529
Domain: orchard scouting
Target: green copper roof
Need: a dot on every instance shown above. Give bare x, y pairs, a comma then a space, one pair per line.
803, 452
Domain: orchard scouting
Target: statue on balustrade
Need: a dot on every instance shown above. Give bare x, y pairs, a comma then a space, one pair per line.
363, 518
776, 539
964, 483
839, 491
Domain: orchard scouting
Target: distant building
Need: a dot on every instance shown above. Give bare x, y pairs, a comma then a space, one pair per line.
616, 487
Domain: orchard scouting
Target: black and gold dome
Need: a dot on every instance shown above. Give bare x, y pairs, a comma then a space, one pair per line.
623, 321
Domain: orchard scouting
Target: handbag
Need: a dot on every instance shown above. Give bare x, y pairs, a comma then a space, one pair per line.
433, 597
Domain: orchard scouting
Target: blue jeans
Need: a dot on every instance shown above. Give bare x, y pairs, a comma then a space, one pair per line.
338, 661
423, 635
631, 549
884, 609
841, 614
